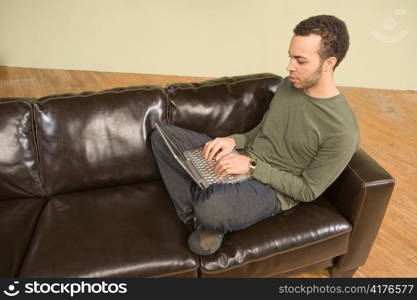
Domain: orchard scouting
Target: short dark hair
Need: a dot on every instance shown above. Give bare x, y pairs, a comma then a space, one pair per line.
333, 32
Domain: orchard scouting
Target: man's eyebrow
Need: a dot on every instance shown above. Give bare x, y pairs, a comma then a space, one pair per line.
297, 56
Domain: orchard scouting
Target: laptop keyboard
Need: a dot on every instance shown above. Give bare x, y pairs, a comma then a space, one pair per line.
206, 168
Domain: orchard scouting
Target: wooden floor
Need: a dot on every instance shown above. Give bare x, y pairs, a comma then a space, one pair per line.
388, 123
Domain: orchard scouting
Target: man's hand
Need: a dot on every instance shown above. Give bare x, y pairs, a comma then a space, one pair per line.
220, 146
233, 164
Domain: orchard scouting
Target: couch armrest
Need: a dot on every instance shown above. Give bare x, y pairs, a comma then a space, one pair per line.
361, 194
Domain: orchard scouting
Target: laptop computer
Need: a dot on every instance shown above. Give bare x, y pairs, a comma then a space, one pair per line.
194, 163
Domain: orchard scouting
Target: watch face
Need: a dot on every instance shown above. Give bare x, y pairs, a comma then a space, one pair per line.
252, 166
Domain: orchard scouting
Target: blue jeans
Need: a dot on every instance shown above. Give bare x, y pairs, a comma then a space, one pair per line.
221, 207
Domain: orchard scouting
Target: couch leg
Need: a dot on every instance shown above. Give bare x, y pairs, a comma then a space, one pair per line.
335, 273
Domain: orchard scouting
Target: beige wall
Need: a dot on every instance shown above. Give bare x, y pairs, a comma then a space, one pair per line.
206, 37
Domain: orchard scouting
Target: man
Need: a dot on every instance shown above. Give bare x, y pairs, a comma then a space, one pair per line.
305, 140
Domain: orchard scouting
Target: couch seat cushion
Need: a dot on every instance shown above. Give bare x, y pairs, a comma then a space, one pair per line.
307, 234
124, 231
17, 222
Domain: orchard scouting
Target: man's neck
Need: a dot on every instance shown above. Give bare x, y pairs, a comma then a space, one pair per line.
325, 88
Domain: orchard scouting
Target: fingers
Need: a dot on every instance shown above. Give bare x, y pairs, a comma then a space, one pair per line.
218, 147
222, 154
222, 170
211, 148
224, 166
207, 148
232, 164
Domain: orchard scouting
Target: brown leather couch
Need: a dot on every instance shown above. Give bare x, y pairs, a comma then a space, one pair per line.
81, 196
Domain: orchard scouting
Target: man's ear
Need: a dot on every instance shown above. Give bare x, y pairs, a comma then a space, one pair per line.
330, 63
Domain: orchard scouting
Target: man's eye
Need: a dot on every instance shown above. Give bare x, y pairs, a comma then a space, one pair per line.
301, 62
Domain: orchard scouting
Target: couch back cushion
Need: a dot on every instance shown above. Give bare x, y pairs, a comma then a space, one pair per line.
19, 174
222, 106
96, 139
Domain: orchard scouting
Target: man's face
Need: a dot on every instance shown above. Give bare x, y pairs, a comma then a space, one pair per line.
305, 66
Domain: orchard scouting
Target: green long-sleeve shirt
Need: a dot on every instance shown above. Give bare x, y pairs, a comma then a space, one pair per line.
302, 144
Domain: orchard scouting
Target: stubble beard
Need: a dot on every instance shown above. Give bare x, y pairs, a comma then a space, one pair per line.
312, 80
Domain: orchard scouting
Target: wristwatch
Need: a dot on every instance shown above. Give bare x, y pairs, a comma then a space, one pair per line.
252, 166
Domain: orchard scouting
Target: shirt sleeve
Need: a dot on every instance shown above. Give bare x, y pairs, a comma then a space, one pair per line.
325, 167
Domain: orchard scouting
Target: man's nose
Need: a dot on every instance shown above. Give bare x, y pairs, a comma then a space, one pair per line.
290, 66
